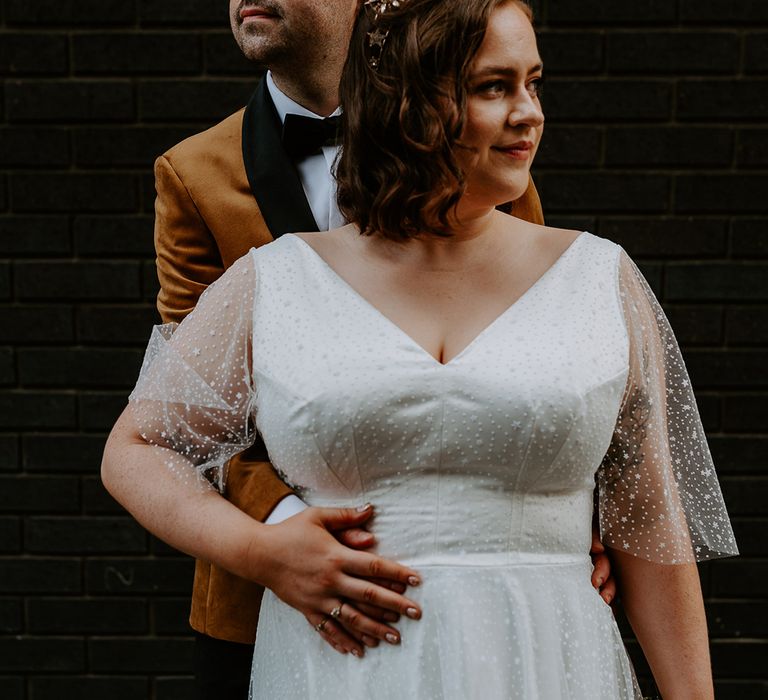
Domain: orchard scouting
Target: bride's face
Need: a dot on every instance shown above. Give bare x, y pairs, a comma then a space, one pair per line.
504, 117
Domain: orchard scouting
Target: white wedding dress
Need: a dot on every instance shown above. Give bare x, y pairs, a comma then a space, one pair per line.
482, 470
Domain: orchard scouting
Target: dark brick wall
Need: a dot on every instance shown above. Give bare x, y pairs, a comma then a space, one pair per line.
656, 138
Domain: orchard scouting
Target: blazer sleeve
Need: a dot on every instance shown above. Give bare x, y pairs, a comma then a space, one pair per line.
188, 258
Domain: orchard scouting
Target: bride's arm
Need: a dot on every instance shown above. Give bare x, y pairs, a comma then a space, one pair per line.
664, 605
299, 559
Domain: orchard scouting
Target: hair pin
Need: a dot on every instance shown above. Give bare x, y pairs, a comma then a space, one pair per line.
377, 37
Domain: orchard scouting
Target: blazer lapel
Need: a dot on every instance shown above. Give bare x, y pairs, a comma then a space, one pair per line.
273, 177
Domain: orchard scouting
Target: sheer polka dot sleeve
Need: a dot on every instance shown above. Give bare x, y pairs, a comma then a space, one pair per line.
194, 396
659, 497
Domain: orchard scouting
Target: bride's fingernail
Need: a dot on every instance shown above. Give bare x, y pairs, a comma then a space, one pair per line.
392, 638
412, 613
414, 581
356, 653
361, 509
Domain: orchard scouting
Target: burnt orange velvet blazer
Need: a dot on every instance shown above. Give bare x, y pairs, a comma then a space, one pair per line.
220, 193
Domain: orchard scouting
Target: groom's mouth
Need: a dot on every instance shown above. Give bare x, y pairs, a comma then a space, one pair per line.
257, 13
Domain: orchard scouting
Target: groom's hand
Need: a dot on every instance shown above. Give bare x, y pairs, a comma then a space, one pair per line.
602, 578
307, 567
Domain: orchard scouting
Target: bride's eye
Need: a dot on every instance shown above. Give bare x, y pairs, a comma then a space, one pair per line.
492, 87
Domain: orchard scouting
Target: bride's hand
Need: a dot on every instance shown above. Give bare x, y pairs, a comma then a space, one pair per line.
310, 570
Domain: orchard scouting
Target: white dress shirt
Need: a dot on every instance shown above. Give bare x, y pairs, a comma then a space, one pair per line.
316, 174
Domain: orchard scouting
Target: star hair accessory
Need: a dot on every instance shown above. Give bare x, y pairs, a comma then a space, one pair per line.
377, 37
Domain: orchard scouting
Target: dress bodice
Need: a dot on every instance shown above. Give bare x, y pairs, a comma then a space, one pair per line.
493, 453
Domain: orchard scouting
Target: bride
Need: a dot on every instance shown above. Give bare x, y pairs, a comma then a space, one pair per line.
470, 374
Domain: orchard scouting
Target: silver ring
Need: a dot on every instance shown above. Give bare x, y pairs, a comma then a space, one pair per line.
336, 612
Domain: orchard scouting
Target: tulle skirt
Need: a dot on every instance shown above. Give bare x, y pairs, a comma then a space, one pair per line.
533, 631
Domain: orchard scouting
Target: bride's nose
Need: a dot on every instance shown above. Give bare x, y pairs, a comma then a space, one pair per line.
526, 110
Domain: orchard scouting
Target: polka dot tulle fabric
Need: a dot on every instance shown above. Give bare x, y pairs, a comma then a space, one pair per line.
482, 470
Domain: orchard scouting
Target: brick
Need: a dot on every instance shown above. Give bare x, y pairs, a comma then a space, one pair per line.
7, 368
12, 688
134, 53
566, 146
669, 146
739, 578
747, 325
38, 324
727, 368
179, 12
710, 410
33, 146
223, 56
740, 455
75, 101
10, 534
29, 494
37, 575
598, 12
738, 658
89, 687
719, 13
174, 688
83, 535
96, 499
77, 280
722, 100
604, 101
5, 280
79, 367
139, 576
34, 235
652, 53
69, 12
751, 536
745, 495
192, 100
148, 194
27, 409
696, 325
91, 616
138, 146
745, 412
150, 285
741, 690
116, 324
100, 410
668, 237
756, 53
35, 654
752, 148
140, 655
606, 192
11, 615
26, 53
569, 52
721, 193
114, 236
171, 616
9, 453
70, 192
717, 281
62, 453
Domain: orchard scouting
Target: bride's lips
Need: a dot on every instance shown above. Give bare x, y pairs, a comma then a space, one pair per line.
517, 151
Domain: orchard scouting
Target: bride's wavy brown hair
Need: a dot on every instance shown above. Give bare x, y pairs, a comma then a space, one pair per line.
399, 175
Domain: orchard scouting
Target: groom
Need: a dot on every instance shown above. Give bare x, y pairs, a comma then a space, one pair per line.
262, 172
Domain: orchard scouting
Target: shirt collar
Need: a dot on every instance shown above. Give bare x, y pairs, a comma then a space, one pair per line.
285, 105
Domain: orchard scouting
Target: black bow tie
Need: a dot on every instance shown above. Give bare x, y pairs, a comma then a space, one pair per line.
305, 136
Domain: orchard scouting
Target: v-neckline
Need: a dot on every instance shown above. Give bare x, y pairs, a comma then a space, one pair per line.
485, 330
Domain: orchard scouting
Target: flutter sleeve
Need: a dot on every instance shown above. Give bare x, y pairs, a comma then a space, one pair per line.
659, 498
195, 392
